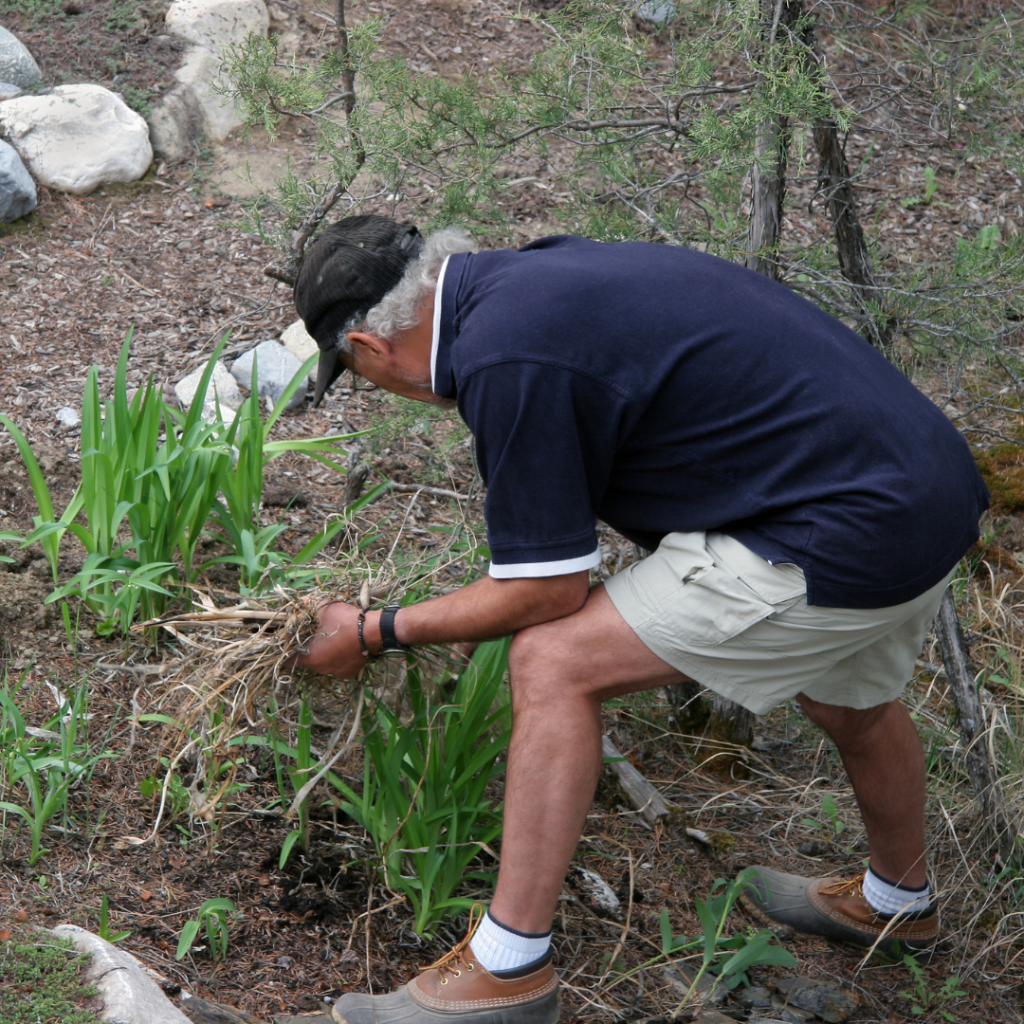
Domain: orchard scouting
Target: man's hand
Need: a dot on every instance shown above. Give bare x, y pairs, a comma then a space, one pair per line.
335, 650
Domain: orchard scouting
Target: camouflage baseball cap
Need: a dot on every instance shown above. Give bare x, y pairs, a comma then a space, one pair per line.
350, 267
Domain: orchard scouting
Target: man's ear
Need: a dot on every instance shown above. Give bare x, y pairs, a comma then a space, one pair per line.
369, 346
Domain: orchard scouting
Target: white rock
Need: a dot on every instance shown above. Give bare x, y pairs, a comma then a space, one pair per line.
300, 344
201, 76
657, 11
222, 384
77, 137
198, 106
17, 189
68, 416
217, 24
130, 995
275, 368
17, 66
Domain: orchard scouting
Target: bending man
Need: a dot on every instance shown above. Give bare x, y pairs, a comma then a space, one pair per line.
806, 507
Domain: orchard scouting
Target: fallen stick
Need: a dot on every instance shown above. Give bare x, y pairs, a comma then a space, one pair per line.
642, 795
970, 720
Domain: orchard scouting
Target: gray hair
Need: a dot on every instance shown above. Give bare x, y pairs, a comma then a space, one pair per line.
400, 308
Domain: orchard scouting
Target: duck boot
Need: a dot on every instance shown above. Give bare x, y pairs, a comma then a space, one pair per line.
836, 908
456, 989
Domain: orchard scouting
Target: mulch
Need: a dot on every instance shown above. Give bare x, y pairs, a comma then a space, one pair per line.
171, 258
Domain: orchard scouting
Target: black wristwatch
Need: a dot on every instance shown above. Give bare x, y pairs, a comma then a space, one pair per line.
389, 643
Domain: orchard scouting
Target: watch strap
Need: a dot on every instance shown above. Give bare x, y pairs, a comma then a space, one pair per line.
389, 643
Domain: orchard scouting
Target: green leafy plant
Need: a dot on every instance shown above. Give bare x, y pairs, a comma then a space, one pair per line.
924, 998
728, 957
178, 799
423, 799
104, 930
153, 478
40, 765
213, 917
830, 813
931, 186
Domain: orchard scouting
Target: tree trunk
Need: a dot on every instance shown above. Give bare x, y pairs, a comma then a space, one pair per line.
690, 710
834, 185
970, 720
771, 156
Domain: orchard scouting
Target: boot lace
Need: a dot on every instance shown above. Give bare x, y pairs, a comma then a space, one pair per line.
845, 887
457, 955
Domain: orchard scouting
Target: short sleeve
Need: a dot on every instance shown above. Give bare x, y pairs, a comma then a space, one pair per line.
546, 438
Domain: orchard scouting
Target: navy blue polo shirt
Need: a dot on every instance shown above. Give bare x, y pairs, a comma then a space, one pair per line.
662, 389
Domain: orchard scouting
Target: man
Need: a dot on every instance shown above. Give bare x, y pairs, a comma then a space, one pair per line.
807, 506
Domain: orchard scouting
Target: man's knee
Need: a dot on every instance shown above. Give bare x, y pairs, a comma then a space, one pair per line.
542, 657
843, 722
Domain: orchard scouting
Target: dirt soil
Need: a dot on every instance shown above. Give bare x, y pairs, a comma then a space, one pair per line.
168, 256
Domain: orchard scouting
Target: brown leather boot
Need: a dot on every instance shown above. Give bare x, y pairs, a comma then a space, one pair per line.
837, 909
457, 990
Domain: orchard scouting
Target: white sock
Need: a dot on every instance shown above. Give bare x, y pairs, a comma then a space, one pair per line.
885, 897
498, 948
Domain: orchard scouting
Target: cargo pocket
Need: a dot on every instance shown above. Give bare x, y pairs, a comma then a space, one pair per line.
713, 606
701, 601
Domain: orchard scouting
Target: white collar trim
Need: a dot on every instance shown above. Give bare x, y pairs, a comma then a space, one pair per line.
437, 322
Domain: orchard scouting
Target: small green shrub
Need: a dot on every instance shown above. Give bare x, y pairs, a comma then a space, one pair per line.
41, 980
39, 766
213, 916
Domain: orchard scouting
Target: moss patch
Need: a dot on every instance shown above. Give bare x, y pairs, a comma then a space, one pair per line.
41, 979
1002, 469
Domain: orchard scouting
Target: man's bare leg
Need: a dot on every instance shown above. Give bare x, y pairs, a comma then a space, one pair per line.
882, 754
563, 670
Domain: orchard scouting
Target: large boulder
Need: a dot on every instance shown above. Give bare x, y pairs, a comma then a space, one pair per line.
216, 24
17, 65
77, 137
17, 189
198, 106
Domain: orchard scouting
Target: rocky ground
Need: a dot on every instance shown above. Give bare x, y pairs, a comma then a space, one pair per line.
171, 258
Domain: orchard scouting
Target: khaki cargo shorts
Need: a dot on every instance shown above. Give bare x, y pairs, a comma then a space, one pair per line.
742, 627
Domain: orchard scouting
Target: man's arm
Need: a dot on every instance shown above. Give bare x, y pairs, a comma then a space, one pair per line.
487, 608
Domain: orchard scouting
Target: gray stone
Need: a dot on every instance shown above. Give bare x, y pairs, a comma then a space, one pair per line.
17, 65
69, 417
754, 998
300, 344
176, 124
17, 189
275, 368
714, 1017
8, 90
130, 995
202, 76
77, 137
710, 990
222, 384
826, 1000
